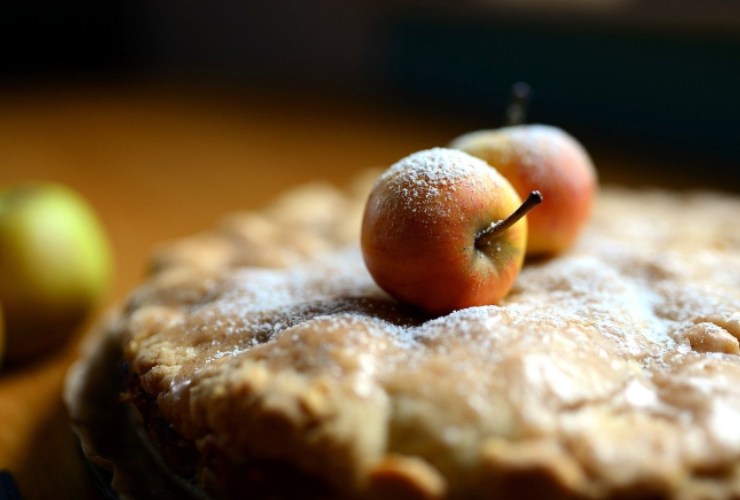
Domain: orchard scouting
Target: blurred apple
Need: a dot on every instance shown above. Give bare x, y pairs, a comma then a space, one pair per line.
543, 158
55, 265
549, 160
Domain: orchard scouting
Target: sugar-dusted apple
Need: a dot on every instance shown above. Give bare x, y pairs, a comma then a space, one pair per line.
442, 230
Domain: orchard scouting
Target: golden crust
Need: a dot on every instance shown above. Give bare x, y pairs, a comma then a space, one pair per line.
612, 369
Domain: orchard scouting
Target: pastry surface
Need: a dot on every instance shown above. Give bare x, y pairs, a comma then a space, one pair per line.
614, 369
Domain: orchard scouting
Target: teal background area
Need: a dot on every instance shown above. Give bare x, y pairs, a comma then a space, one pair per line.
664, 90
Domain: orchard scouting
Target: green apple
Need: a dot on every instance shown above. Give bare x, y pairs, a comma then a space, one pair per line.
55, 265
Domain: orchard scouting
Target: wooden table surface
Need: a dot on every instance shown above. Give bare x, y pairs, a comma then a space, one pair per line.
161, 163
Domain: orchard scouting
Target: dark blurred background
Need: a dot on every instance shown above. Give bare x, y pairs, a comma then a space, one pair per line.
660, 77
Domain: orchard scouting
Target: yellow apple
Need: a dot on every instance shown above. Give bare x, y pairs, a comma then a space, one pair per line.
55, 265
442, 230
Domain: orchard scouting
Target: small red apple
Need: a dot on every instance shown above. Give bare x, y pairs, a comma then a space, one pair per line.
442, 230
545, 158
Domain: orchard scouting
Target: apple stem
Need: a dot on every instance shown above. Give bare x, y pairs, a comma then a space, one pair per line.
516, 111
485, 237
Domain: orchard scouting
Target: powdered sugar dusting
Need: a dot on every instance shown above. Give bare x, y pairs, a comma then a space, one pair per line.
593, 352
436, 166
532, 146
432, 177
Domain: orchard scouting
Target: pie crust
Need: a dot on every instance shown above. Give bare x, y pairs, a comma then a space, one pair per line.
260, 358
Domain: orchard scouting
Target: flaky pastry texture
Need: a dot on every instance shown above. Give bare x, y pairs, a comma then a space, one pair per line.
610, 370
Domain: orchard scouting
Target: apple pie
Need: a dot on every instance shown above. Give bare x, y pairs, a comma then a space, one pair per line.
259, 359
